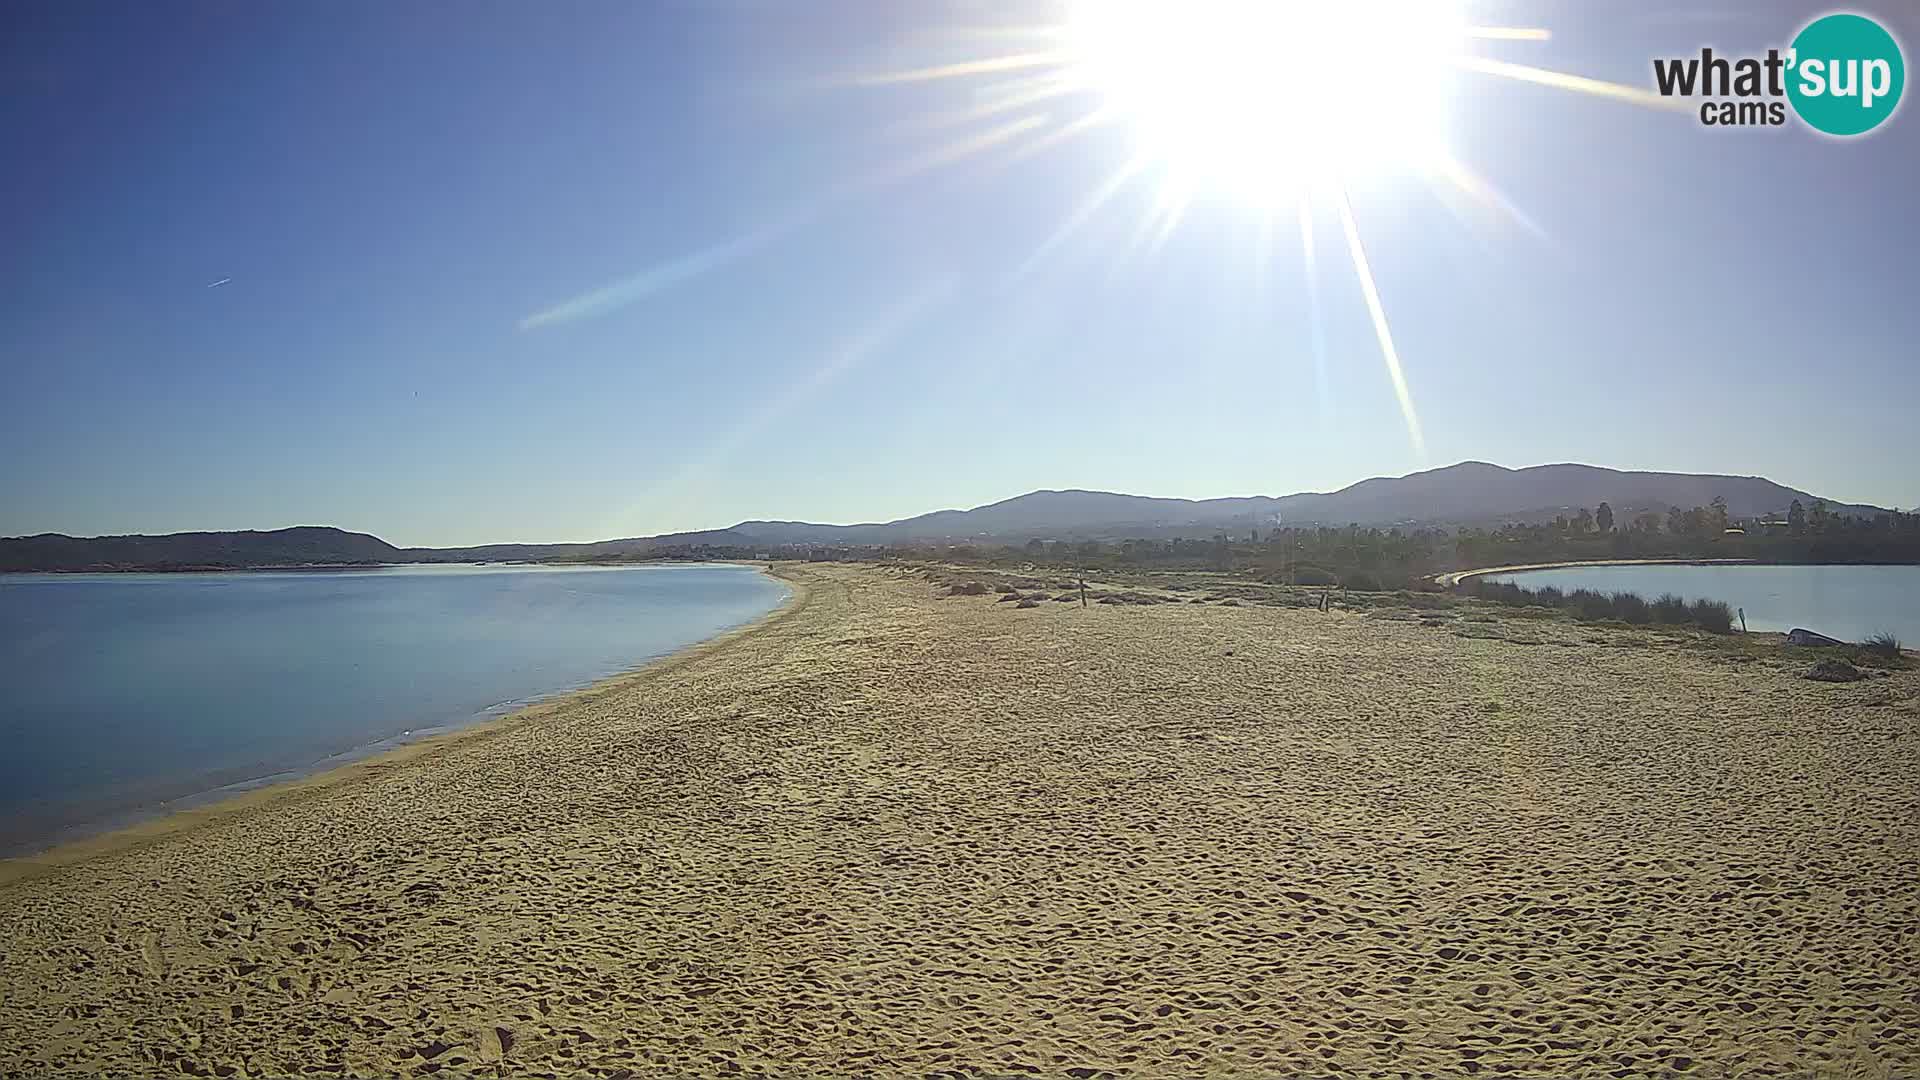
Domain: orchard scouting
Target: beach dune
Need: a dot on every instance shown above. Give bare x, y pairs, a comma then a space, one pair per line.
885, 832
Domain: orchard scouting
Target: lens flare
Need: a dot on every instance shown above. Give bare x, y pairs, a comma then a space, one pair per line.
1271, 103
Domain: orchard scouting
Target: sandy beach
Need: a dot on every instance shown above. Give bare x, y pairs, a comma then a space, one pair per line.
889, 832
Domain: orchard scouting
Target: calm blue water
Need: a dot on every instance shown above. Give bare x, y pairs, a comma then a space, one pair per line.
1847, 602
128, 693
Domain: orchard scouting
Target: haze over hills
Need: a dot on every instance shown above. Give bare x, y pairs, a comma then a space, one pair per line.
1469, 492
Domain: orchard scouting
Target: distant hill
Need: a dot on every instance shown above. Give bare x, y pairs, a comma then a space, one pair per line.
302, 546
1477, 491
1469, 492
599, 549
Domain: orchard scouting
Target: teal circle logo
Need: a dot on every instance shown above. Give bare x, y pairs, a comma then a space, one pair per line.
1845, 74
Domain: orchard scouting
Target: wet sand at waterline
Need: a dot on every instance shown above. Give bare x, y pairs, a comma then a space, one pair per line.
889, 833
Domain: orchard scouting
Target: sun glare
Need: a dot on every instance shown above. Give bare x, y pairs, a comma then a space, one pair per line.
1277, 106
1263, 97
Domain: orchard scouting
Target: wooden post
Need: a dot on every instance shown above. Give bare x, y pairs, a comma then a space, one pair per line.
1743, 620
1083, 592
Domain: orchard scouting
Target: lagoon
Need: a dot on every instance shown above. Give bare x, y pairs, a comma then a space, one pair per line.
1847, 602
129, 695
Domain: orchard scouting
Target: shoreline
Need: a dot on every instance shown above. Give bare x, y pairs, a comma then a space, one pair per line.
902, 832
1453, 578
309, 568
270, 793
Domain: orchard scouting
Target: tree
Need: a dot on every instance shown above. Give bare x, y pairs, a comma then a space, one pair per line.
1603, 517
1719, 514
1817, 517
1583, 521
1676, 521
1796, 518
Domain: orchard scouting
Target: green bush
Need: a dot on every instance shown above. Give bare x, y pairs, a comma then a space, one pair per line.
1624, 608
1632, 608
1590, 605
1671, 610
1712, 615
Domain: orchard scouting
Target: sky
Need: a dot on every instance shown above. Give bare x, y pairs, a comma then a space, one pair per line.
521, 272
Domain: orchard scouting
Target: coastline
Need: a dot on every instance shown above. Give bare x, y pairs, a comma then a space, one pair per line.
894, 831
1453, 578
271, 793
347, 567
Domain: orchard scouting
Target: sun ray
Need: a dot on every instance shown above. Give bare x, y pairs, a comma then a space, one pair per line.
1005, 97
1471, 184
619, 294
1364, 270
875, 337
1579, 84
1089, 206
987, 66
1061, 133
1176, 195
1323, 397
942, 155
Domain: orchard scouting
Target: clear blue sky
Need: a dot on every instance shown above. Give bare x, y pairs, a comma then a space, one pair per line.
813, 330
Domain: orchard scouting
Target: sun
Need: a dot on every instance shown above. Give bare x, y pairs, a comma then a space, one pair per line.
1263, 98
1285, 107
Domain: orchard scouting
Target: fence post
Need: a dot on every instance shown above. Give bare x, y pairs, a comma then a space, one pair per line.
1743, 620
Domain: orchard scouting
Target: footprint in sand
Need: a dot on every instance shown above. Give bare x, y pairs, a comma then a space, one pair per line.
153, 954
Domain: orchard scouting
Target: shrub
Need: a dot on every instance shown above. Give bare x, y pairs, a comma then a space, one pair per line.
1884, 644
1590, 605
1632, 608
1670, 609
1551, 596
1712, 615
1363, 582
1500, 592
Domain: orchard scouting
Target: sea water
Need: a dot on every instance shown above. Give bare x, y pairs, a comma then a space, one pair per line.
126, 695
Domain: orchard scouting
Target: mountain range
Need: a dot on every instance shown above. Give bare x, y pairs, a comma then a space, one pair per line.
1466, 493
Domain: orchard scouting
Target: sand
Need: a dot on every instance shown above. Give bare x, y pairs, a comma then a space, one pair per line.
885, 833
